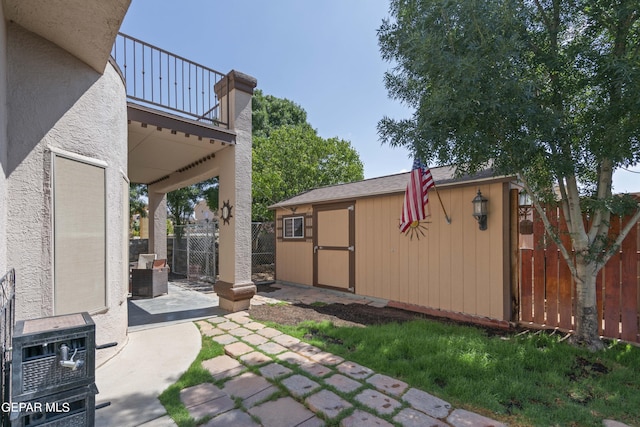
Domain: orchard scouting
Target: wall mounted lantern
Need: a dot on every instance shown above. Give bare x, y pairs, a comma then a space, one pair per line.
480, 210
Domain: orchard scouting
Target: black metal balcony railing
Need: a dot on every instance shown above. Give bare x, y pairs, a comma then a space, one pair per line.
160, 79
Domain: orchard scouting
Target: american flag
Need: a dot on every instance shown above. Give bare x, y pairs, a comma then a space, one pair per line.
416, 195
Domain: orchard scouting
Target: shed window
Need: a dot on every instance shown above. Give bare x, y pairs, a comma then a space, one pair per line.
293, 227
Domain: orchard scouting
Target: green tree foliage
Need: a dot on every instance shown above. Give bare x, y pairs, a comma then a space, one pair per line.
288, 158
180, 205
545, 89
294, 159
269, 112
137, 206
210, 190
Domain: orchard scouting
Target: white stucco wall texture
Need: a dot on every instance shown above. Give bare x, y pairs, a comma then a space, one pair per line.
3, 145
61, 105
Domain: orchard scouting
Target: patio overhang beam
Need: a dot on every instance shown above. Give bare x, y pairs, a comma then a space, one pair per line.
161, 119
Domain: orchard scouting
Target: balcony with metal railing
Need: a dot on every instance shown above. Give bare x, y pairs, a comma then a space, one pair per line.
167, 82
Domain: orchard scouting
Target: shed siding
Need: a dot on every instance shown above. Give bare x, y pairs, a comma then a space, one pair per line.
294, 258
453, 267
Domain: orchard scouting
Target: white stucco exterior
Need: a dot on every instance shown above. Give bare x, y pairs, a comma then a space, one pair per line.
3, 145
59, 104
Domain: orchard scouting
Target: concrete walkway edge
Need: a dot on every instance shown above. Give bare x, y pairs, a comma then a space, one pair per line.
152, 360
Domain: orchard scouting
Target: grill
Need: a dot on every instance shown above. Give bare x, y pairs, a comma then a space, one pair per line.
44, 392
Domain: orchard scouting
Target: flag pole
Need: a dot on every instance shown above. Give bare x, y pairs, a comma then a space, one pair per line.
442, 205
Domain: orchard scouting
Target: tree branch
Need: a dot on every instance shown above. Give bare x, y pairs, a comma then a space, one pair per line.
623, 234
545, 18
549, 228
600, 224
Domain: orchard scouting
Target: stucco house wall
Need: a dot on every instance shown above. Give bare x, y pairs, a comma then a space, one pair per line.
3, 144
60, 105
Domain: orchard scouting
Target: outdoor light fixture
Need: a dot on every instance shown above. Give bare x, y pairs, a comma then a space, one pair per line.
480, 210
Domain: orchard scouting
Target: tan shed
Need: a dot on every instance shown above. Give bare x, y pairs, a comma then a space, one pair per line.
347, 237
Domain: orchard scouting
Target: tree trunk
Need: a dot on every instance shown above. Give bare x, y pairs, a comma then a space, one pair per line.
587, 320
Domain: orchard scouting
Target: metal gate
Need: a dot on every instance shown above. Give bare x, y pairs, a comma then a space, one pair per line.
195, 248
263, 244
7, 319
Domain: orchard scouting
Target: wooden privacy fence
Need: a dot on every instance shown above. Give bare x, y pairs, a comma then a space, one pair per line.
548, 293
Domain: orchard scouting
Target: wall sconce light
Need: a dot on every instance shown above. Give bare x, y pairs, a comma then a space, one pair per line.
480, 210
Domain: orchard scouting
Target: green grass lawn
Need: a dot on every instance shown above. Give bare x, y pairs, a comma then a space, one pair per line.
530, 379
195, 375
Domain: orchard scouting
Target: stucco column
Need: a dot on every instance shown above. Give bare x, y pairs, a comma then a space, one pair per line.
157, 223
235, 288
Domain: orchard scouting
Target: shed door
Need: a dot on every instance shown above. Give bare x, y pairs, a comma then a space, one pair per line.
334, 246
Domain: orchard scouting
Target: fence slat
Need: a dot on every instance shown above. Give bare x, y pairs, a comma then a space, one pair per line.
551, 276
630, 285
612, 287
538, 269
526, 290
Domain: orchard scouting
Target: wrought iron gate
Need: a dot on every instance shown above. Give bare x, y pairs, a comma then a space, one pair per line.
195, 248
7, 317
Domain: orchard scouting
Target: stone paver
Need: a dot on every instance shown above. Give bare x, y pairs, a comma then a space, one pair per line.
255, 339
200, 393
285, 340
268, 332
293, 358
204, 325
271, 348
216, 320
342, 383
613, 423
411, 418
260, 396
274, 371
462, 418
211, 407
255, 358
271, 413
427, 403
388, 385
240, 332
237, 349
315, 369
377, 401
305, 349
225, 339
327, 403
165, 421
312, 422
227, 326
254, 326
354, 370
363, 419
326, 358
213, 332
237, 417
299, 385
223, 367
241, 317
245, 385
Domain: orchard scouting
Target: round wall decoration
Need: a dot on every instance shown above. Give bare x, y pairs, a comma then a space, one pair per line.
226, 212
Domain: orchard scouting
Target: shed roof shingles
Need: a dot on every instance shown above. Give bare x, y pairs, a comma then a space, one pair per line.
389, 184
